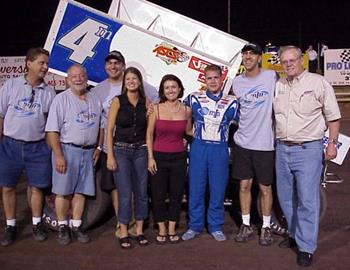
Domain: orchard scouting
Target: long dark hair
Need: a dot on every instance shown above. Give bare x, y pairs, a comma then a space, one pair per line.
135, 71
170, 77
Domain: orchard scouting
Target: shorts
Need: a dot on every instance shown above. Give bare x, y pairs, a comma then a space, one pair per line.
79, 177
253, 164
107, 177
17, 156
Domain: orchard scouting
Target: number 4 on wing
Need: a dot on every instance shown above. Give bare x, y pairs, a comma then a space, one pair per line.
82, 39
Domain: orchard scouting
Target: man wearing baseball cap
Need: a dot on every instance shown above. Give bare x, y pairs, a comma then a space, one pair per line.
253, 153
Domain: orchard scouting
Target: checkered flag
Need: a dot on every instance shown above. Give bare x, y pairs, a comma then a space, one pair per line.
274, 59
345, 56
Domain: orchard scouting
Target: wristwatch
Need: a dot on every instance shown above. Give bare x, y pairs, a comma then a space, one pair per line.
99, 148
335, 141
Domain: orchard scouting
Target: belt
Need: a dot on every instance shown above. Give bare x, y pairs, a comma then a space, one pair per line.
130, 145
21, 141
91, 146
293, 143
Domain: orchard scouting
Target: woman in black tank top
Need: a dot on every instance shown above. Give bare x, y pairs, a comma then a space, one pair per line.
127, 154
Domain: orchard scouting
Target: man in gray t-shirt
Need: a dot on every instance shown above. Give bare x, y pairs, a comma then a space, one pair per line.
253, 151
73, 128
24, 105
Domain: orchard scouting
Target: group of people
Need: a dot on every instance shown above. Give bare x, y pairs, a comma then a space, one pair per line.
131, 129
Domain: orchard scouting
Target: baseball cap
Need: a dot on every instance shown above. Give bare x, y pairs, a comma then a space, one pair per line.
115, 55
252, 47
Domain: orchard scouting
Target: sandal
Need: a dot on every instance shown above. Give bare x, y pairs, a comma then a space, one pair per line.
124, 242
161, 239
142, 240
174, 238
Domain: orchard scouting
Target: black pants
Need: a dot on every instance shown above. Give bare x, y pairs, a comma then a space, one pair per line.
107, 178
169, 179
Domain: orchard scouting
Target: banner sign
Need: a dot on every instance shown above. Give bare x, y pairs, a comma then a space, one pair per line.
337, 66
14, 66
80, 34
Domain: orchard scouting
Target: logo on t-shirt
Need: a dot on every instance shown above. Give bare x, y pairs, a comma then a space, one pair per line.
86, 119
254, 98
25, 108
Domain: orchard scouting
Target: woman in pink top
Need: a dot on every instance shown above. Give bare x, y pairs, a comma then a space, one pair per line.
167, 155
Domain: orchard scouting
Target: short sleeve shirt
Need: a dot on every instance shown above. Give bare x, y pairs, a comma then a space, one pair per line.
76, 120
25, 109
255, 96
303, 106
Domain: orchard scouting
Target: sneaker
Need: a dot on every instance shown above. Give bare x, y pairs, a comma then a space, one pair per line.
265, 237
288, 242
244, 234
9, 236
63, 235
189, 234
304, 259
218, 236
80, 235
39, 232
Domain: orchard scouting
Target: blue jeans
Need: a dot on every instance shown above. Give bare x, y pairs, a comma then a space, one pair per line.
131, 177
298, 171
208, 164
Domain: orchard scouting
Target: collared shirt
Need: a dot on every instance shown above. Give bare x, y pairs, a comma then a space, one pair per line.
76, 120
303, 106
212, 115
25, 115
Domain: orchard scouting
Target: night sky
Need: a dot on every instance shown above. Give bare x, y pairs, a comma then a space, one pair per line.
26, 23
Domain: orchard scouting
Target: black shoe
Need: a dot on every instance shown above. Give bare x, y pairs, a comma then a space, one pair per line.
63, 235
304, 259
288, 242
80, 235
39, 232
9, 236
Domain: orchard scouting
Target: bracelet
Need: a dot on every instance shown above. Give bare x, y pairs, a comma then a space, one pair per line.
99, 148
150, 157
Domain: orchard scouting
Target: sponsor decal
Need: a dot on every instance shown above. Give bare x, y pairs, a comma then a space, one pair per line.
200, 65
308, 92
170, 54
25, 108
86, 119
254, 97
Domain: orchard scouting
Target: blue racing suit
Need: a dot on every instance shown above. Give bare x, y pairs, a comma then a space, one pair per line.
209, 157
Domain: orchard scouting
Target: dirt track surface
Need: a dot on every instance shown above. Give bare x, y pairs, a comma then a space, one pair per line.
201, 253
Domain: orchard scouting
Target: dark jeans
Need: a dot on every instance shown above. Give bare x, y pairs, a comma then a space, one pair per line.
169, 179
131, 176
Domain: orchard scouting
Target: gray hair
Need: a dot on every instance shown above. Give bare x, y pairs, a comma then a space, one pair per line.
290, 47
77, 66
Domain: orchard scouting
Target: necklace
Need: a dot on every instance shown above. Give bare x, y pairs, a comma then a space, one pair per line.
175, 108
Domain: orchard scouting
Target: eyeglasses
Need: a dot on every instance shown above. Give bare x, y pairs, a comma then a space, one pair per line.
32, 96
289, 62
